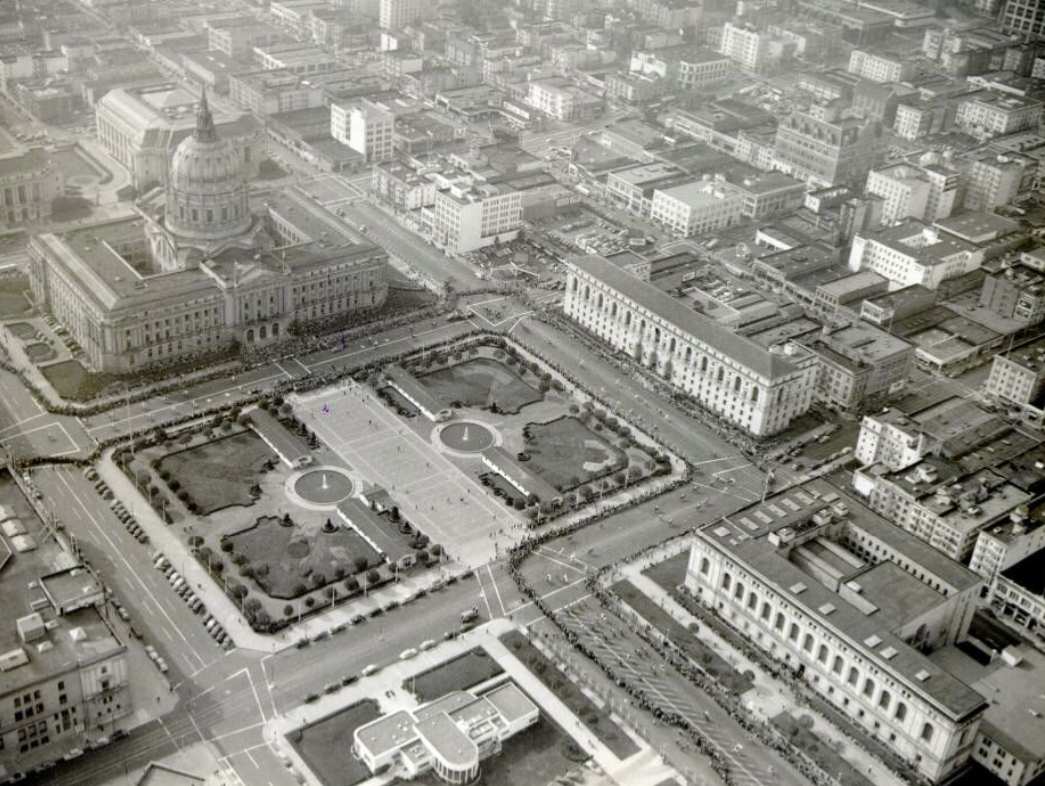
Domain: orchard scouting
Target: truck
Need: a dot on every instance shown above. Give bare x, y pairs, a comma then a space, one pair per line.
469, 615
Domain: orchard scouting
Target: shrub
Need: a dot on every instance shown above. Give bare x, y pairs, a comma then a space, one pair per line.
359, 563
351, 584
310, 601
373, 576
299, 589
288, 610
226, 546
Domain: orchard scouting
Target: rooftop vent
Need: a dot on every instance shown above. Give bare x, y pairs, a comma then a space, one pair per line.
889, 653
798, 589
872, 640
922, 675
826, 609
13, 659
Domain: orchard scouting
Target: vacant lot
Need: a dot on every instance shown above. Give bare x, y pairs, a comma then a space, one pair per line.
220, 473
326, 745
461, 673
566, 453
686, 640
597, 720
289, 561
481, 382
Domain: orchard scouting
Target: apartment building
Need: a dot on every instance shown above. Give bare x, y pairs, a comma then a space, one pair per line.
365, 126
992, 114
996, 179
753, 49
470, 213
914, 253
1026, 17
751, 387
859, 363
881, 66
826, 146
853, 604
561, 99
891, 439
697, 208
63, 669
29, 182
1018, 377
927, 193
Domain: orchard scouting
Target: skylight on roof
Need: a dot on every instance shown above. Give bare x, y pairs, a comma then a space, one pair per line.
826, 609
872, 641
922, 675
889, 653
798, 588
722, 531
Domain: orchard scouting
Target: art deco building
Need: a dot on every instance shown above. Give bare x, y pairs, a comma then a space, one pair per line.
197, 270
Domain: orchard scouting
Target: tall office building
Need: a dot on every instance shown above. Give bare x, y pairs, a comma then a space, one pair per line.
1024, 16
826, 147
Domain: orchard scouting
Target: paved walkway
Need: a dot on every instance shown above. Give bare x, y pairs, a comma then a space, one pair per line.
768, 697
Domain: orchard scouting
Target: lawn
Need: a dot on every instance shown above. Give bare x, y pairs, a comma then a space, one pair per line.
219, 473
537, 756
597, 720
300, 560
566, 453
805, 740
13, 292
687, 640
39, 352
481, 382
326, 745
74, 165
70, 379
21, 330
461, 673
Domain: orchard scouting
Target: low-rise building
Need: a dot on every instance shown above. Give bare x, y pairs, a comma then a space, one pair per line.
890, 439
401, 186
470, 213
881, 66
996, 179
1015, 292
859, 364
1017, 377
561, 99
992, 114
927, 193
274, 91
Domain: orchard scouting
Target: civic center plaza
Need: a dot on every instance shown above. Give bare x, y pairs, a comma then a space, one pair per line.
876, 621
199, 268
450, 736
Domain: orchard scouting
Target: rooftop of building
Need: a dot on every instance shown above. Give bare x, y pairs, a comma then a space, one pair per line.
700, 193
863, 343
791, 330
33, 161
958, 424
641, 174
794, 263
62, 643
759, 539
759, 360
978, 227
1015, 717
1004, 101
899, 300
922, 242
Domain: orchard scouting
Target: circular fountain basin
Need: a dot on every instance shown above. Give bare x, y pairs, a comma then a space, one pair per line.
467, 437
323, 486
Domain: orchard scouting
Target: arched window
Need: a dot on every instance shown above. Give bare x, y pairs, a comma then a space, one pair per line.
869, 687
721, 375
671, 347
807, 642
600, 301
587, 292
656, 336
854, 675
705, 566
822, 654
754, 394
613, 310
884, 699
838, 665
262, 332
689, 355
738, 591
250, 334
736, 384
927, 732
727, 580
752, 601
779, 625
901, 711
793, 633
766, 610
275, 330
703, 364
573, 285
627, 319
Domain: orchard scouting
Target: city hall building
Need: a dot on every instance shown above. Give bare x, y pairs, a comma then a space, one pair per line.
756, 389
198, 269
854, 606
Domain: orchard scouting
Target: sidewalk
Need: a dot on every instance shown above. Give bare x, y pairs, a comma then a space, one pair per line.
768, 697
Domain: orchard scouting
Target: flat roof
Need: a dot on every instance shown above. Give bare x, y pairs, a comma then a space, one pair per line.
411, 386
531, 482
744, 537
377, 530
288, 445
744, 351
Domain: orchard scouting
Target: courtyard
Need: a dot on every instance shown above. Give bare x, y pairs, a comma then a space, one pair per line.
482, 383
219, 473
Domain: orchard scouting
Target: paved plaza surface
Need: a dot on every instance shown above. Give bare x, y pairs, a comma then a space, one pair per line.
431, 491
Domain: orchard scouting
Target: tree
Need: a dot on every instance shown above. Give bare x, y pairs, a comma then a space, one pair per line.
351, 585
359, 563
372, 577
288, 610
